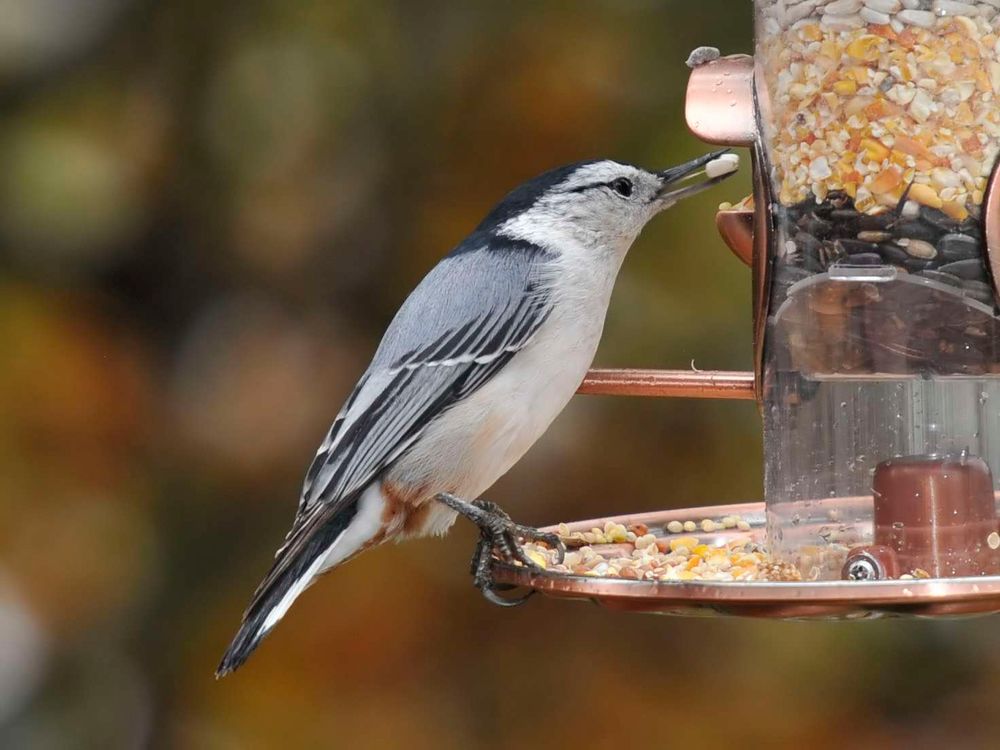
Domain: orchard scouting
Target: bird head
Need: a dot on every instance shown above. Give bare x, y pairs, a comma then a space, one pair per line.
601, 205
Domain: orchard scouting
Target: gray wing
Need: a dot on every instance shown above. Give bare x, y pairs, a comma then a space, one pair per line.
461, 325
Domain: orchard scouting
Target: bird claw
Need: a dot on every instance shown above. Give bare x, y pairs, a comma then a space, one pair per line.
497, 532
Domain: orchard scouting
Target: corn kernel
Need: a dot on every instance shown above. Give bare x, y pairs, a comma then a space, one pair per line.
874, 150
845, 87
925, 194
887, 180
955, 210
687, 542
537, 557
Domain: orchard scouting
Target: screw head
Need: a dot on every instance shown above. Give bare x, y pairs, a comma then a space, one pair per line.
864, 567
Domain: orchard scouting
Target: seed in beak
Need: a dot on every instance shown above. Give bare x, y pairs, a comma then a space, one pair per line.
722, 165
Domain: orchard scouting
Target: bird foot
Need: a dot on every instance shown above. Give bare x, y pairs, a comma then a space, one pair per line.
497, 532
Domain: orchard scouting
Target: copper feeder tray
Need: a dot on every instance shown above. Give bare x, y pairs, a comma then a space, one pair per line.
825, 600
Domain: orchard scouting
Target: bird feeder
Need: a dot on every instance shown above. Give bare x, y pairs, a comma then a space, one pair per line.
873, 244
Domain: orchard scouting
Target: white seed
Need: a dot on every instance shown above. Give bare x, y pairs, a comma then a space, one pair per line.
901, 94
918, 248
845, 23
644, 541
945, 178
801, 10
954, 8
675, 527
721, 165
843, 7
820, 169
922, 18
873, 16
922, 106
883, 6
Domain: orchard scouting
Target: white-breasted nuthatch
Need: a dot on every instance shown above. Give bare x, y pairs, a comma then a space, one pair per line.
477, 363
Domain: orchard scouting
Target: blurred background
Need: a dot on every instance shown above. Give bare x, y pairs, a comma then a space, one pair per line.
208, 213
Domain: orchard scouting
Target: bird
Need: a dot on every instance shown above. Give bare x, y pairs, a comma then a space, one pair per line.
477, 363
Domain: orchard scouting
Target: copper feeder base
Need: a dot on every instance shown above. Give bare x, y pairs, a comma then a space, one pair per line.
821, 600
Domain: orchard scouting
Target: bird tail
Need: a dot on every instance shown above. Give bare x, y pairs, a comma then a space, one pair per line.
295, 568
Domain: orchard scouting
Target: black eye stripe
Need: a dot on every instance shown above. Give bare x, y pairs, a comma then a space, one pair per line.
594, 185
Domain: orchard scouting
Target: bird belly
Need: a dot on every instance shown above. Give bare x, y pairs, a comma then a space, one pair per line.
478, 440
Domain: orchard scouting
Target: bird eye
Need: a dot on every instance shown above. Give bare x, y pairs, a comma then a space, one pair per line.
622, 186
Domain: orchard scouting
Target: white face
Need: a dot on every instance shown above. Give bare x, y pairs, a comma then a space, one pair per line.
601, 206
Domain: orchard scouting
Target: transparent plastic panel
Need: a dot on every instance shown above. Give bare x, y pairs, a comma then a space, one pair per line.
880, 128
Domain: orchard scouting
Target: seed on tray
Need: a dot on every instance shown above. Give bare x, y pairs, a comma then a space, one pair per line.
675, 527
644, 541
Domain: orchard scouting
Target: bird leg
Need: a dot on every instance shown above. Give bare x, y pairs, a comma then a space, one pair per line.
498, 532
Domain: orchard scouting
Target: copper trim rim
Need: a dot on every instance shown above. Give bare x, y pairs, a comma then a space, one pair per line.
718, 384
875, 592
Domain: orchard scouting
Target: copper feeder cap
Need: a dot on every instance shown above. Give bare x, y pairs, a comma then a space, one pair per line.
938, 514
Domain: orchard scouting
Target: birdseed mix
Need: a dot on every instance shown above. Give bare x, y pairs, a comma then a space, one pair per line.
637, 552
883, 124
675, 553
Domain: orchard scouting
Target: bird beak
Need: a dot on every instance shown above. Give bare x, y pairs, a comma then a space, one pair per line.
677, 183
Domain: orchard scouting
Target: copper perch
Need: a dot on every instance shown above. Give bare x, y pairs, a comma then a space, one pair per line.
670, 383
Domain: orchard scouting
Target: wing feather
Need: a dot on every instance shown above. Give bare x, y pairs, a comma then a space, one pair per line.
436, 352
